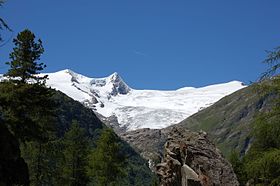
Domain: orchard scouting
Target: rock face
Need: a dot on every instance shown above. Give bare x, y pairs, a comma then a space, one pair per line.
13, 169
149, 143
190, 159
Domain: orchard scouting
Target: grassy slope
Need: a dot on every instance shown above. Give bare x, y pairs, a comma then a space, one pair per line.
228, 121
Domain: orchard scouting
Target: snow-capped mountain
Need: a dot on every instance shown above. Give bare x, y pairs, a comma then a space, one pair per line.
136, 109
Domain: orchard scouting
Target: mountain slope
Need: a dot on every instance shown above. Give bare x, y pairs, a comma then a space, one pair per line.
135, 109
66, 111
227, 123
69, 109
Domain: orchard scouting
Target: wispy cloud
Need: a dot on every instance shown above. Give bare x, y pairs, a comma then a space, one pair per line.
139, 53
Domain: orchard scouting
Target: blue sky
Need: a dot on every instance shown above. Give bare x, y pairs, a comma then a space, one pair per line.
152, 44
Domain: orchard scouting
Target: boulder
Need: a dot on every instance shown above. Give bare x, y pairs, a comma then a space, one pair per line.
190, 159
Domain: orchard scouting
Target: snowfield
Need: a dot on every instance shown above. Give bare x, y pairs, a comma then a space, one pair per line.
138, 108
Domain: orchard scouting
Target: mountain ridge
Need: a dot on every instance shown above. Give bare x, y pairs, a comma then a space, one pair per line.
134, 109
74, 73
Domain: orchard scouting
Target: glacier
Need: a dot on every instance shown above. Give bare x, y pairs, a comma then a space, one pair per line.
135, 109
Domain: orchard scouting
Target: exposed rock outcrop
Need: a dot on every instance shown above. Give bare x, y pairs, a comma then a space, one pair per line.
190, 159
149, 143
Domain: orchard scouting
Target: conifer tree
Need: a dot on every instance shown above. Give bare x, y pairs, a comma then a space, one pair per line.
28, 108
107, 163
24, 64
273, 60
76, 151
43, 161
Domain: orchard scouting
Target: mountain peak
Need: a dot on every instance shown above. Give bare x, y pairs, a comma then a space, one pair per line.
114, 77
138, 108
68, 71
115, 74
119, 86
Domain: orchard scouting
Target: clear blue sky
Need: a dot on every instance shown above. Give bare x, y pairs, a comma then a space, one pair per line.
152, 44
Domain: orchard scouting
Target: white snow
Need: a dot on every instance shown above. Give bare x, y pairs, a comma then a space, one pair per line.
138, 108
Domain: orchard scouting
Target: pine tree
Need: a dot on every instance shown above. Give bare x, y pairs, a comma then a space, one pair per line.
43, 161
107, 163
29, 114
26, 53
76, 150
28, 109
273, 60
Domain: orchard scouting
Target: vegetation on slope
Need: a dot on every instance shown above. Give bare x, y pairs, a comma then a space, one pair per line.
228, 122
245, 126
260, 165
58, 134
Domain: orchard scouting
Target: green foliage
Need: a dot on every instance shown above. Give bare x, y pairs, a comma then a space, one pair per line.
238, 167
43, 161
267, 131
155, 181
51, 156
263, 167
136, 168
69, 110
107, 161
137, 173
26, 53
227, 122
273, 59
76, 151
39, 116
262, 161
27, 110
